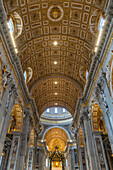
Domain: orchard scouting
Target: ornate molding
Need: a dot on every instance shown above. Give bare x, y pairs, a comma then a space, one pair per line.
95, 66
13, 58
99, 92
13, 91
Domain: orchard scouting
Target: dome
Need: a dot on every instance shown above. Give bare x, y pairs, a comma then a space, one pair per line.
56, 115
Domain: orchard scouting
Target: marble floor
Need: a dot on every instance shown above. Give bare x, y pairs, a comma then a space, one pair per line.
57, 168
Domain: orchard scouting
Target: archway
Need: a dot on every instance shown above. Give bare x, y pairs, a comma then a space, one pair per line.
101, 138
12, 139
56, 140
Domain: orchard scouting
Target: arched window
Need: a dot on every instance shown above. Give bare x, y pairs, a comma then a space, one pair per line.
28, 74
18, 24
15, 27
101, 23
11, 26
83, 72
87, 74
96, 22
15, 24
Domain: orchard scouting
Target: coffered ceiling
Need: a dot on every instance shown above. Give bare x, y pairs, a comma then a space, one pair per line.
68, 23
63, 94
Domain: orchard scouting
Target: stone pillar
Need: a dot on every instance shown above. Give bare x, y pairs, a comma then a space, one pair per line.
93, 165
80, 149
14, 150
27, 145
76, 160
23, 142
82, 163
72, 158
30, 159
108, 151
102, 94
7, 154
8, 101
102, 161
41, 155
85, 145
35, 150
9, 96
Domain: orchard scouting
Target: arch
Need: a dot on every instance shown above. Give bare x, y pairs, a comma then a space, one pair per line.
51, 127
59, 118
60, 94
17, 119
56, 136
57, 76
56, 103
70, 36
15, 24
95, 21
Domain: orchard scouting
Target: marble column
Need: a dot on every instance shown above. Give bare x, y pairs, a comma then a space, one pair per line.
93, 165
23, 142
32, 155
85, 145
12, 164
108, 151
76, 160
41, 155
72, 158
82, 163
99, 148
35, 150
7, 154
80, 151
30, 159
102, 94
5, 111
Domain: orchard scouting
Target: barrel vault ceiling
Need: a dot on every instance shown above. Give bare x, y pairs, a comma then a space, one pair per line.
70, 23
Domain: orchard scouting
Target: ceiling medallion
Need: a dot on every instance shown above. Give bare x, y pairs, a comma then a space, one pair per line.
55, 13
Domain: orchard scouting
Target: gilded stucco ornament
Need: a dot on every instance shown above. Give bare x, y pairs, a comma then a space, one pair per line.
55, 13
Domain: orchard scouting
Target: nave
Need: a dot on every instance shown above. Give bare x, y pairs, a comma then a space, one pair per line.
56, 85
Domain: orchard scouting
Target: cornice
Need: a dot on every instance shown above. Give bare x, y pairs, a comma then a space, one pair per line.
15, 62
100, 54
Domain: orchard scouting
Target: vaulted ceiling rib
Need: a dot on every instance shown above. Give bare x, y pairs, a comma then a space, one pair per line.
72, 25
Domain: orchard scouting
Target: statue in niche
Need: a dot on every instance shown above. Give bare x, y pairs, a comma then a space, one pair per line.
13, 124
5, 75
107, 71
7, 80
